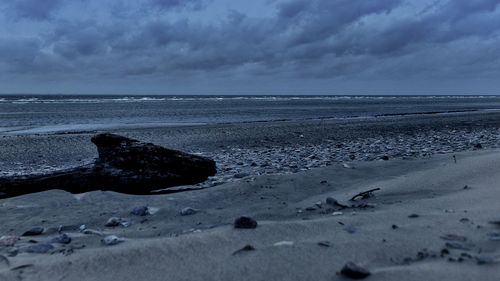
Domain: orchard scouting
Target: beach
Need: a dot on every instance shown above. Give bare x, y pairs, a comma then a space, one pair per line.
430, 219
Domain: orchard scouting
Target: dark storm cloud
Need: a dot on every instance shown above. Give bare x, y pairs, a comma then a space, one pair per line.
35, 9
320, 39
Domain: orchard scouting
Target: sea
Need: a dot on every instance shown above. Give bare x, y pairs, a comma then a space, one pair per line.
45, 114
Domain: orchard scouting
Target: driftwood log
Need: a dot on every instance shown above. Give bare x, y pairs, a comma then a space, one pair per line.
124, 165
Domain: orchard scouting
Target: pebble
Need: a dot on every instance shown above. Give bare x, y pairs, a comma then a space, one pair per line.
244, 249
188, 211
354, 271
412, 216
331, 201
112, 240
245, 222
483, 259
495, 221
113, 221
140, 211
61, 239
453, 237
283, 243
41, 248
350, 229
324, 243
456, 245
34, 231
125, 223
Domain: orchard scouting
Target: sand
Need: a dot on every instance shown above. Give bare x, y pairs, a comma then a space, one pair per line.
168, 246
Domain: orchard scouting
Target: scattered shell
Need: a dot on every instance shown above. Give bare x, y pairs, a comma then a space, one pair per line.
347, 166
41, 248
188, 211
61, 239
8, 241
140, 211
245, 222
283, 243
113, 221
34, 231
125, 223
112, 240
354, 271
82, 227
337, 213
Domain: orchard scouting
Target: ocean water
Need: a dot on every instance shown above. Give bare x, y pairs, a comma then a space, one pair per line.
48, 114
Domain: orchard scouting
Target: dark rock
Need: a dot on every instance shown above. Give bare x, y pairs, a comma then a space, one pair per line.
140, 211
41, 248
478, 146
385, 157
324, 243
244, 249
188, 211
354, 271
245, 222
394, 226
34, 231
124, 165
412, 216
61, 239
495, 221
114, 221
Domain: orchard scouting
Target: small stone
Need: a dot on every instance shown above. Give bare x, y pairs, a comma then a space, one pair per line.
453, 237
111, 240
324, 243
244, 249
394, 226
125, 223
456, 245
113, 221
495, 221
61, 239
311, 209
41, 248
482, 259
245, 222
350, 229
412, 216
318, 204
354, 271
240, 175
478, 146
140, 211
331, 201
34, 231
385, 157
188, 211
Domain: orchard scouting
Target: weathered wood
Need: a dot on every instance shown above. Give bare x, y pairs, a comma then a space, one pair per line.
124, 165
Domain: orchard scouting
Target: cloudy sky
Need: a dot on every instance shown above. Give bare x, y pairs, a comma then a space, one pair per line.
250, 47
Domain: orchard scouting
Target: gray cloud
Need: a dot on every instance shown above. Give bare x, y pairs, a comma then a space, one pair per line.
187, 41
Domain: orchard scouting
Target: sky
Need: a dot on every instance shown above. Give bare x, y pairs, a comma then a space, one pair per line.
250, 47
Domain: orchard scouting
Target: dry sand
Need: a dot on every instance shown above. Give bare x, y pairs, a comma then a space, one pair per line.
168, 246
